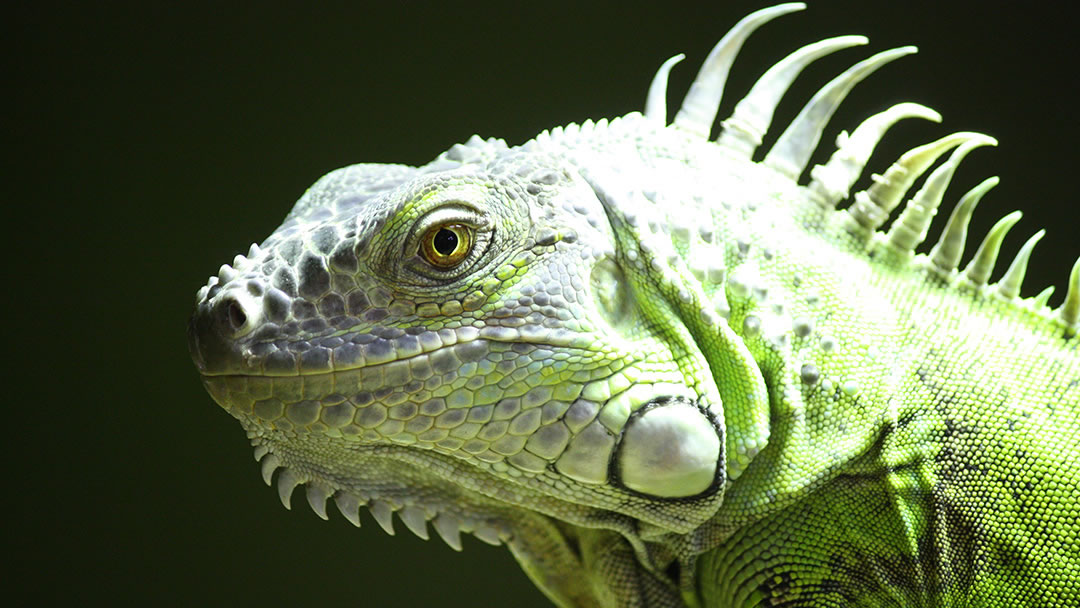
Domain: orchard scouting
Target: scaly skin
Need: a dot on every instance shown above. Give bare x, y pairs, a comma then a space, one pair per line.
662, 373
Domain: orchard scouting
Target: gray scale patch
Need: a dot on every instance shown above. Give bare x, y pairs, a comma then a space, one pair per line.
451, 418
493, 430
371, 416
276, 304
480, 413
379, 351
586, 457
434, 407
302, 309
285, 281
490, 457
401, 308
451, 444
324, 238
444, 361
343, 257
553, 410
471, 351
342, 283
315, 359
580, 414
549, 441
405, 411
420, 368
809, 373
314, 325
332, 305
337, 416
269, 409
330, 342
751, 326
397, 373
267, 332
287, 389
803, 327
303, 413
508, 445
348, 355
537, 396
390, 428
333, 399
362, 338
262, 349
290, 251
466, 431
374, 315
506, 409
380, 297
358, 302
433, 435
280, 361
419, 424
739, 289
525, 423
429, 341
528, 462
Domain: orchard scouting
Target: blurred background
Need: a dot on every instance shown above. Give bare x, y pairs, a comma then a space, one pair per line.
152, 143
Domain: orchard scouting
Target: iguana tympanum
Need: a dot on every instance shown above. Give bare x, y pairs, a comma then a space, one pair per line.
663, 373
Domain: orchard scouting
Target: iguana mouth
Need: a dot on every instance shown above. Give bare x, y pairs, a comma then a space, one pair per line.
218, 353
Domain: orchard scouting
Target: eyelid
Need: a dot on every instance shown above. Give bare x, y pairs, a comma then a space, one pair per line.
450, 214
446, 215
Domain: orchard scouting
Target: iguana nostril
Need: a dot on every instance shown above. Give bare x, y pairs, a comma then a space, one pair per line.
236, 315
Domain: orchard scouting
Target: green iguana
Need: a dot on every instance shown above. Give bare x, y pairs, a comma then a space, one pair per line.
665, 374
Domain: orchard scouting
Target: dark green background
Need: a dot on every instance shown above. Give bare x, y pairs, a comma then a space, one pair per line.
155, 143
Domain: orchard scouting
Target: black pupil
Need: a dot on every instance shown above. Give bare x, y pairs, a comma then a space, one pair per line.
445, 241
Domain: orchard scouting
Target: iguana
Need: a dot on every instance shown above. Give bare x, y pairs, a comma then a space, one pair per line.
663, 373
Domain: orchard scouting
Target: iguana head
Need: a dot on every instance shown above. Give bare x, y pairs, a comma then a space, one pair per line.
410, 335
458, 343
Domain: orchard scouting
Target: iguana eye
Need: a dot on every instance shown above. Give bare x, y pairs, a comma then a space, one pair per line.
445, 246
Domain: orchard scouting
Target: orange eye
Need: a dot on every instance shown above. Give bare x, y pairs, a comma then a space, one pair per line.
447, 245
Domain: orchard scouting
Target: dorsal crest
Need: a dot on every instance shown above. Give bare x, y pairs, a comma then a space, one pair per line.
830, 183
